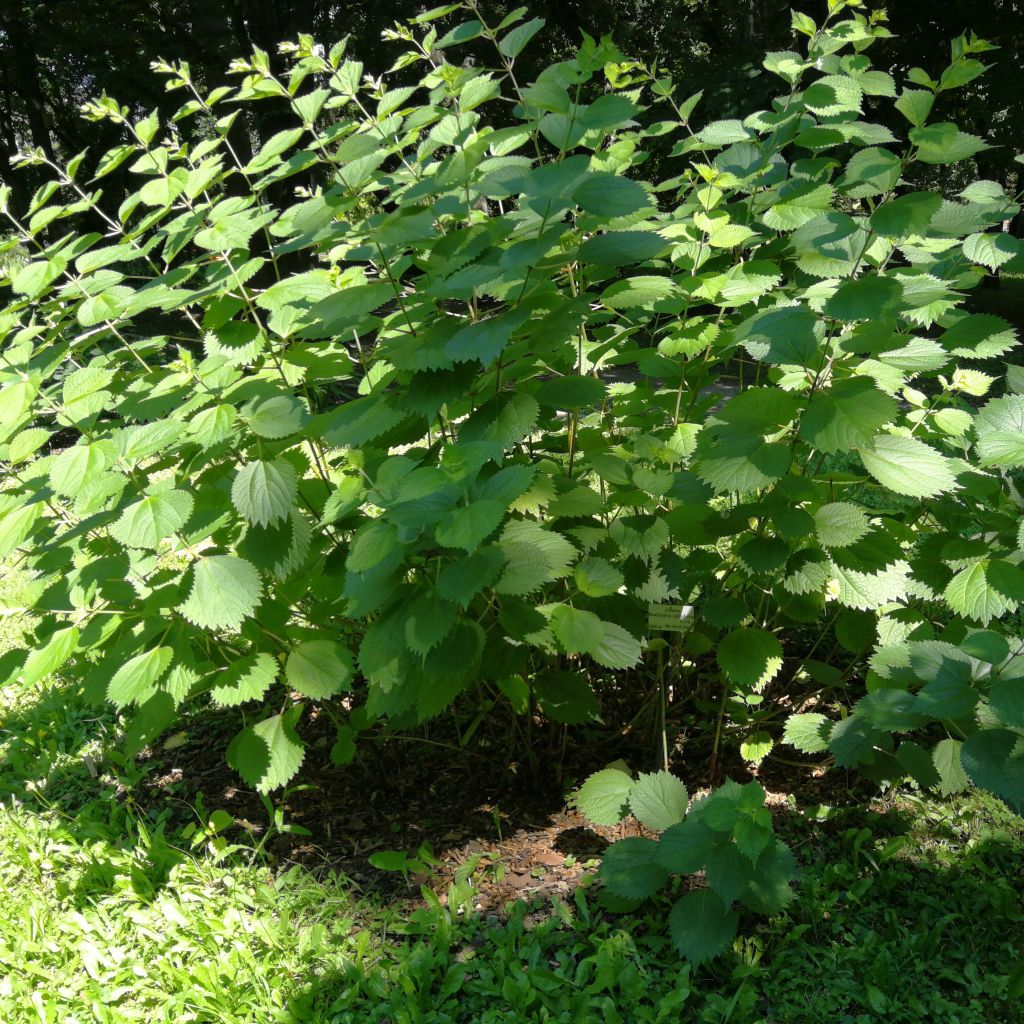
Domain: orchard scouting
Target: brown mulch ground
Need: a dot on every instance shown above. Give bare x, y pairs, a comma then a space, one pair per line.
515, 824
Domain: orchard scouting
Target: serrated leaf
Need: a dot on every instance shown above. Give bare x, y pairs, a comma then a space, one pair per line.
276, 417
267, 755
604, 797
946, 758
840, 524
139, 675
907, 466
264, 492
597, 578
782, 334
153, 519
246, 679
618, 648
468, 526
1000, 430
702, 926
225, 591
847, 415
750, 658
994, 760
610, 195
807, 732
630, 868
658, 800
319, 669
640, 291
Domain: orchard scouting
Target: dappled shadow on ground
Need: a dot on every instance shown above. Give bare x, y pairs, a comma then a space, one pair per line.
929, 931
401, 794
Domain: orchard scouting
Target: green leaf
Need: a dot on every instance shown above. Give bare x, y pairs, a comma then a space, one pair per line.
630, 868
833, 94
566, 697
907, 466
870, 172
807, 732
1000, 429
276, 417
756, 747
945, 144
577, 632
428, 620
1006, 699
460, 581
847, 415
467, 527
946, 758
840, 524
782, 334
153, 519
640, 291
264, 492
604, 798
597, 578
621, 248
992, 251
979, 592
658, 800
44, 661
994, 760
515, 42
319, 669
909, 214
225, 591
535, 556
915, 105
611, 195
246, 679
267, 755
139, 675
618, 648
864, 298
702, 926
750, 658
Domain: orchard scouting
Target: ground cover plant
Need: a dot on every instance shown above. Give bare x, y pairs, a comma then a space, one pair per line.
436, 406
120, 908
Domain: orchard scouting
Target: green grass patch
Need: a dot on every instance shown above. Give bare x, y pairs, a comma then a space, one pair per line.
116, 912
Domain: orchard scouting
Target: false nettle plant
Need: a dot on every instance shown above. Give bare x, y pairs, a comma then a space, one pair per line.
726, 835
429, 401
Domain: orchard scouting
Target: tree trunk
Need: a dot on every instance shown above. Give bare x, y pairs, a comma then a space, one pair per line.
25, 65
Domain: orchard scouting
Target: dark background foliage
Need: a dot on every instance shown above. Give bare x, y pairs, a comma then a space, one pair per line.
55, 54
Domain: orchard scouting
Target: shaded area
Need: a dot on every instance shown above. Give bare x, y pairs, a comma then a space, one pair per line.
909, 911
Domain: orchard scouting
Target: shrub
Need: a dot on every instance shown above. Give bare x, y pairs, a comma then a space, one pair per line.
727, 835
435, 396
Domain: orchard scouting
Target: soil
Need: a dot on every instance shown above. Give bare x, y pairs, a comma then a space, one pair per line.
514, 822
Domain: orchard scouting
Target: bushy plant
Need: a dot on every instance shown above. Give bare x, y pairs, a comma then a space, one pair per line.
726, 835
436, 395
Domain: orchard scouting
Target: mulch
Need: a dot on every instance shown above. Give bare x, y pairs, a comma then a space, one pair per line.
511, 824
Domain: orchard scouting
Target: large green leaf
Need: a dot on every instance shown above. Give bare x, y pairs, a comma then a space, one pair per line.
319, 668
225, 591
268, 754
604, 797
702, 926
153, 519
907, 466
751, 658
658, 799
265, 491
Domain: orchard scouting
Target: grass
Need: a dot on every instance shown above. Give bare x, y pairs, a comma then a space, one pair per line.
114, 912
